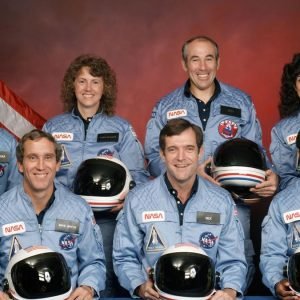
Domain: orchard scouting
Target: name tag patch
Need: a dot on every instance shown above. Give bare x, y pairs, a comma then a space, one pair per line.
291, 216
4, 157
230, 111
108, 137
13, 228
67, 226
208, 218
153, 216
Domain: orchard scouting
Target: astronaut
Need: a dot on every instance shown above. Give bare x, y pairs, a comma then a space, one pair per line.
9, 174
179, 206
41, 211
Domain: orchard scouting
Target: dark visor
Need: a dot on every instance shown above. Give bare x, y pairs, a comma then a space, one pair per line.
41, 276
185, 274
99, 177
294, 272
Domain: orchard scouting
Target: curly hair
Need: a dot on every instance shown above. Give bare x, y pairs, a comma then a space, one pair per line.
289, 98
98, 68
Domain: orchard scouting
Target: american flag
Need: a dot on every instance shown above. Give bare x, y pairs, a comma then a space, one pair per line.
16, 115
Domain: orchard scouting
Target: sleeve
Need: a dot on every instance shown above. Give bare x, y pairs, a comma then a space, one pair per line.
14, 176
127, 249
231, 261
154, 126
132, 155
284, 159
91, 259
273, 256
252, 128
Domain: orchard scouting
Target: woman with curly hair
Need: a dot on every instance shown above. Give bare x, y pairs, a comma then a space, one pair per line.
89, 128
283, 146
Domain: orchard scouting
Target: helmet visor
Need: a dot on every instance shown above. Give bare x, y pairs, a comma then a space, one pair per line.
185, 274
294, 272
98, 177
41, 276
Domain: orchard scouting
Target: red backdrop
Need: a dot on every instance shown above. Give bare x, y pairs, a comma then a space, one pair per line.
142, 40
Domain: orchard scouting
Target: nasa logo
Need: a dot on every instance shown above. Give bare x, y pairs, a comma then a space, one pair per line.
153, 216
105, 152
13, 228
207, 240
291, 216
63, 136
67, 241
291, 139
2, 168
173, 114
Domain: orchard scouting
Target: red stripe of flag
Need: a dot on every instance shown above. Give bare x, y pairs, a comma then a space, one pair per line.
16, 115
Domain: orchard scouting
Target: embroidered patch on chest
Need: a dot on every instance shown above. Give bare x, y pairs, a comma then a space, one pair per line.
153, 216
13, 228
291, 139
207, 240
67, 241
155, 242
173, 114
228, 129
291, 216
63, 136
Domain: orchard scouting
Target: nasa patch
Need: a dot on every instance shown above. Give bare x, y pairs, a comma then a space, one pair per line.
67, 241
207, 240
177, 113
2, 168
291, 139
105, 152
228, 129
153, 216
13, 228
63, 136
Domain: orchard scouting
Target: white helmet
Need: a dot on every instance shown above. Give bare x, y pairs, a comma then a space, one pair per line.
103, 182
37, 273
293, 269
239, 164
184, 271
